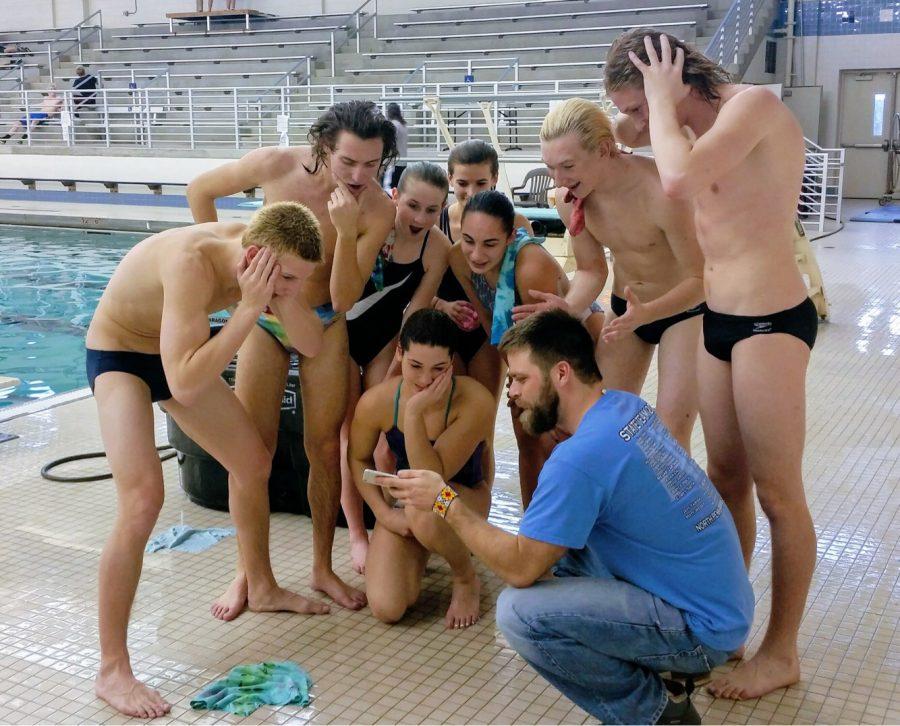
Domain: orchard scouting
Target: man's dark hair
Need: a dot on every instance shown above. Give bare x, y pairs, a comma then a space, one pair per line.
429, 327
473, 151
700, 73
427, 172
553, 336
495, 204
360, 118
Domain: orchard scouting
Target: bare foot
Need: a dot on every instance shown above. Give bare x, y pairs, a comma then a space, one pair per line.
281, 600
465, 602
359, 548
126, 694
338, 590
232, 602
738, 654
756, 677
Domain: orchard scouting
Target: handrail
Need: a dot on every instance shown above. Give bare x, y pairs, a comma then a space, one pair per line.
738, 23
78, 40
423, 67
21, 69
345, 25
286, 76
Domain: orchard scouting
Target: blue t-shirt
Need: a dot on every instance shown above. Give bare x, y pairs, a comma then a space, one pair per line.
622, 490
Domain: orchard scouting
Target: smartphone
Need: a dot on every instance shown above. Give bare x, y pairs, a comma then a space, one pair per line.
370, 474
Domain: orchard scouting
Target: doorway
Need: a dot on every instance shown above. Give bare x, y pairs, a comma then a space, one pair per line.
869, 100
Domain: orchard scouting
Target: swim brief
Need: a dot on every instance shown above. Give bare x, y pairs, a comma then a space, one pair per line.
721, 332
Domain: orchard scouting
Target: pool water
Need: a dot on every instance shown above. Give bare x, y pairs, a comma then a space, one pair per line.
50, 282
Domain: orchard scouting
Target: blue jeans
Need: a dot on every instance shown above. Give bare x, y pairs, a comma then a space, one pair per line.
602, 641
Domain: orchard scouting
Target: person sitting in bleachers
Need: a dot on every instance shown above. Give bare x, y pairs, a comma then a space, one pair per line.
50, 107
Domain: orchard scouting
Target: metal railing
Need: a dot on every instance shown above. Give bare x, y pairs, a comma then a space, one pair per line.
725, 45
822, 188
469, 65
79, 40
249, 117
352, 24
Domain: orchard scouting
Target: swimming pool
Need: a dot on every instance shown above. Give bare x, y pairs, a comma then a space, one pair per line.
50, 282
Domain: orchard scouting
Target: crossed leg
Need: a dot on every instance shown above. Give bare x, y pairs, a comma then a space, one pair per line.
219, 424
769, 383
126, 425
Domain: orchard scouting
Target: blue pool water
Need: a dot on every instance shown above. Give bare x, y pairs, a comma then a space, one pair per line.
50, 283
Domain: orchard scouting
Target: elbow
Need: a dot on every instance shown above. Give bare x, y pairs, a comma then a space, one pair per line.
186, 395
677, 186
191, 193
340, 303
312, 348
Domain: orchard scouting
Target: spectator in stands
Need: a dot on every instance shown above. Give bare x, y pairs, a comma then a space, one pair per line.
50, 107
85, 87
393, 172
10, 55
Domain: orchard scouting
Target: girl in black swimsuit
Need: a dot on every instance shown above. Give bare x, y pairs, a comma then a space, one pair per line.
432, 420
405, 278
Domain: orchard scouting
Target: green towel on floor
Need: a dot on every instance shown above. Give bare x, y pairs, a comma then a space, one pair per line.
247, 687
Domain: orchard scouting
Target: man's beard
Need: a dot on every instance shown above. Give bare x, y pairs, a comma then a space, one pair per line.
544, 414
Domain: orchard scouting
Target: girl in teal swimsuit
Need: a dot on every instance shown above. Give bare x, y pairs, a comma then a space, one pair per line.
499, 267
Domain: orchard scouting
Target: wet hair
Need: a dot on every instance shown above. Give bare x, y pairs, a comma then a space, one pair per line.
360, 118
584, 118
495, 204
700, 73
427, 172
394, 113
429, 327
285, 227
474, 151
553, 336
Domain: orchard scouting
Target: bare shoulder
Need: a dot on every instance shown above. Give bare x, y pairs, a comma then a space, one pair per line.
438, 248
756, 100
378, 204
472, 393
184, 259
437, 240
376, 404
276, 161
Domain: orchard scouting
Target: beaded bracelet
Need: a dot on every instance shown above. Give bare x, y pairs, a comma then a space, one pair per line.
442, 502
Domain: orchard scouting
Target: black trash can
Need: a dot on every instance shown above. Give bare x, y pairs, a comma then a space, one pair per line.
205, 481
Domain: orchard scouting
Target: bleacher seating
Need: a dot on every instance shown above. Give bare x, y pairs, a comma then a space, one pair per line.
231, 65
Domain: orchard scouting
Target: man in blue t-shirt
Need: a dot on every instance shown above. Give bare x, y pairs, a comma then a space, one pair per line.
649, 571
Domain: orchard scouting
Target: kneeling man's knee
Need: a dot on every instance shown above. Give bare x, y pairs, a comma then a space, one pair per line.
388, 611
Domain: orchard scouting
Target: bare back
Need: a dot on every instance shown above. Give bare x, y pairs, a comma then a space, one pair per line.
129, 314
745, 219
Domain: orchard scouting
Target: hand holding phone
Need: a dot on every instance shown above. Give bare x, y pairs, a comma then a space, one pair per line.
370, 474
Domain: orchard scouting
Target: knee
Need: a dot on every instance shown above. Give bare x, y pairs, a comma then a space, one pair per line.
779, 502
321, 447
388, 610
254, 466
509, 616
141, 507
731, 478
